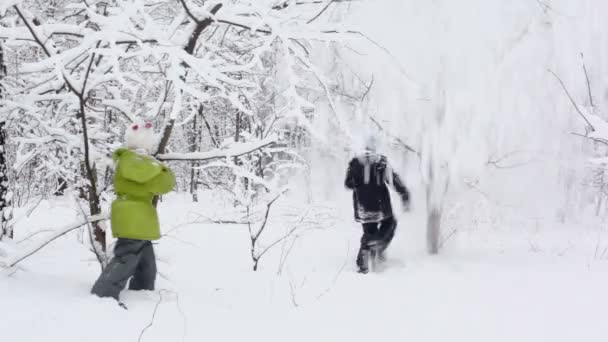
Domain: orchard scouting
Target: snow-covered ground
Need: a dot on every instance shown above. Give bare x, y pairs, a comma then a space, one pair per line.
524, 259
489, 284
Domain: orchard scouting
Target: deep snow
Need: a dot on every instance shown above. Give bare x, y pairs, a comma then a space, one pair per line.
490, 284
509, 273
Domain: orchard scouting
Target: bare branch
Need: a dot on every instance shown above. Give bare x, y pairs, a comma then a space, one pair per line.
149, 325
283, 5
496, 162
223, 21
190, 14
599, 140
572, 100
397, 139
321, 12
204, 117
31, 29
201, 25
301, 45
164, 141
255, 236
57, 233
267, 213
445, 238
588, 82
87, 74
544, 6
369, 88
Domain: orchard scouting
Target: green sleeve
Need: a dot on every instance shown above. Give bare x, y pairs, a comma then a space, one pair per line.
136, 168
119, 152
163, 182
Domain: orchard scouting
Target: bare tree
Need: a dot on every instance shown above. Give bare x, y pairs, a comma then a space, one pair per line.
294, 222
91, 68
254, 235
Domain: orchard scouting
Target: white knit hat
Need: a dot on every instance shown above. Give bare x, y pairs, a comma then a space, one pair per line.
140, 136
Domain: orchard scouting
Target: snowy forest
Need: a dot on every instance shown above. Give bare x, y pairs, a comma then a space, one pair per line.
476, 130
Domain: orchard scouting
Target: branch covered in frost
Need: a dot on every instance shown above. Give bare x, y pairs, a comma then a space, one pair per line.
395, 138
235, 151
30, 250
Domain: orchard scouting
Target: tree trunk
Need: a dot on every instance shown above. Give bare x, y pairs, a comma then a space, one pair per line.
436, 190
164, 141
6, 210
433, 226
92, 195
237, 138
237, 133
196, 132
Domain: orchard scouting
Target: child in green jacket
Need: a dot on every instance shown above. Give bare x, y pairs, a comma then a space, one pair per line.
138, 178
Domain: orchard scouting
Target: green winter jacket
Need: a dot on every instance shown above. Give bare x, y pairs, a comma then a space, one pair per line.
137, 179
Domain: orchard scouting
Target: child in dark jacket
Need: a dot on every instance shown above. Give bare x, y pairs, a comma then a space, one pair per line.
368, 176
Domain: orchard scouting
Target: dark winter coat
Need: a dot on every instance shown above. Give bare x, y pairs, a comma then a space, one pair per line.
369, 175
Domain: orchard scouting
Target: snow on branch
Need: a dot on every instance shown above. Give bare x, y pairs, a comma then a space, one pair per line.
234, 151
396, 139
600, 128
597, 128
35, 247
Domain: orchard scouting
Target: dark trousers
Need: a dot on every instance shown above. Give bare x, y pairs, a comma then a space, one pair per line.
376, 238
132, 259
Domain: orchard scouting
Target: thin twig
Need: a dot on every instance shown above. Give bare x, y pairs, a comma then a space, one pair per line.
31, 29
284, 255
447, 237
281, 239
293, 294
321, 12
544, 6
285, 4
572, 100
190, 14
254, 237
603, 141
338, 273
496, 162
57, 233
32, 235
181, 312
266, 214
301, 45
98, 254
369, 88
588, 82
202, 114
223, 21
397, 139
160, 299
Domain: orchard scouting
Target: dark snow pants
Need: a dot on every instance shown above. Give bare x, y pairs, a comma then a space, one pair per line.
132, 258
376, 238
